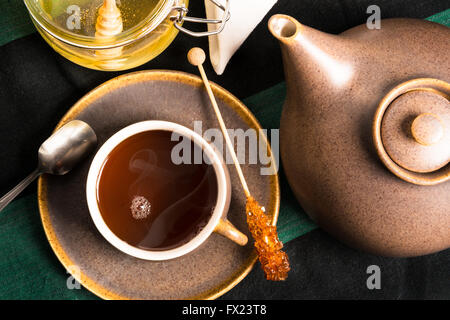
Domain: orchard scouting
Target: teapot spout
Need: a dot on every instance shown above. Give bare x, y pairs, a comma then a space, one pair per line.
311, 55
283, 27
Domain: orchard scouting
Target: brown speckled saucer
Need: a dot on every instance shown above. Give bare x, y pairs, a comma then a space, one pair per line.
206, 273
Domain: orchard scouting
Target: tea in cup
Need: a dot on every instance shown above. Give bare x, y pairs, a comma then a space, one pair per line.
149, 204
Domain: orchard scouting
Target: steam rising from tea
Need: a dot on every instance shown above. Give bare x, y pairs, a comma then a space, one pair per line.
150, 202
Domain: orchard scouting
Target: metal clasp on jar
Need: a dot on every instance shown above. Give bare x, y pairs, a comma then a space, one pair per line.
181, 17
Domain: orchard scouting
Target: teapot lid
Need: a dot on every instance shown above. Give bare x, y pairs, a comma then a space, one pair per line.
412, 131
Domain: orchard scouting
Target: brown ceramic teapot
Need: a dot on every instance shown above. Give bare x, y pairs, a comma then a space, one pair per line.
365, 132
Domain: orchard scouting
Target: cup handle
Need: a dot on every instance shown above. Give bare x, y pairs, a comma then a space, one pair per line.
226, 229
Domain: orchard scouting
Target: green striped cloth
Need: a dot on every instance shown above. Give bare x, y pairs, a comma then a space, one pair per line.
28, 267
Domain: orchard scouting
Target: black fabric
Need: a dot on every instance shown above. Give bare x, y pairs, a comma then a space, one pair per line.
37, 86
323, 268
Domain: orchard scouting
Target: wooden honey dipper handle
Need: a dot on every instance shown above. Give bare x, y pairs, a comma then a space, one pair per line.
196, 56
109, 21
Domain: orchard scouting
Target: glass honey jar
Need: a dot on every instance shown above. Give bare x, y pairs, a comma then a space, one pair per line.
140, 29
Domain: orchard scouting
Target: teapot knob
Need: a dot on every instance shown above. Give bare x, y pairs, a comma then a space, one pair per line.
427, 129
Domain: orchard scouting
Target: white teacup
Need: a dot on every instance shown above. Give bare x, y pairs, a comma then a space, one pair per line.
216, 223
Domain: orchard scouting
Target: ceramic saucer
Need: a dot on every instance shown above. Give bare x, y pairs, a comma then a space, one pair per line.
206, 273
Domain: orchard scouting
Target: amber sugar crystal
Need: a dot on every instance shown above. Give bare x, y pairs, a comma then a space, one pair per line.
274, 261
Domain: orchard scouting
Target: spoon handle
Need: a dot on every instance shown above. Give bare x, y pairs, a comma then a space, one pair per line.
7, 198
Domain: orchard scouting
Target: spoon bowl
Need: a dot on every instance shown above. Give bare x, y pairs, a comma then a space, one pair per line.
66, 147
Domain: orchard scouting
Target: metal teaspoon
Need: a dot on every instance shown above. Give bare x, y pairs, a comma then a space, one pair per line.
58, 154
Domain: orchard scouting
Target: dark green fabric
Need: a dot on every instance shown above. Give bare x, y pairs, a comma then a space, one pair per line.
442, 18
29, 268
267, 106
14, 21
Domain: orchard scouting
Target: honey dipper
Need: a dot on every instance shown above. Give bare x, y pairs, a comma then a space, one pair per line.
109, 21
109, 24
274, 262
